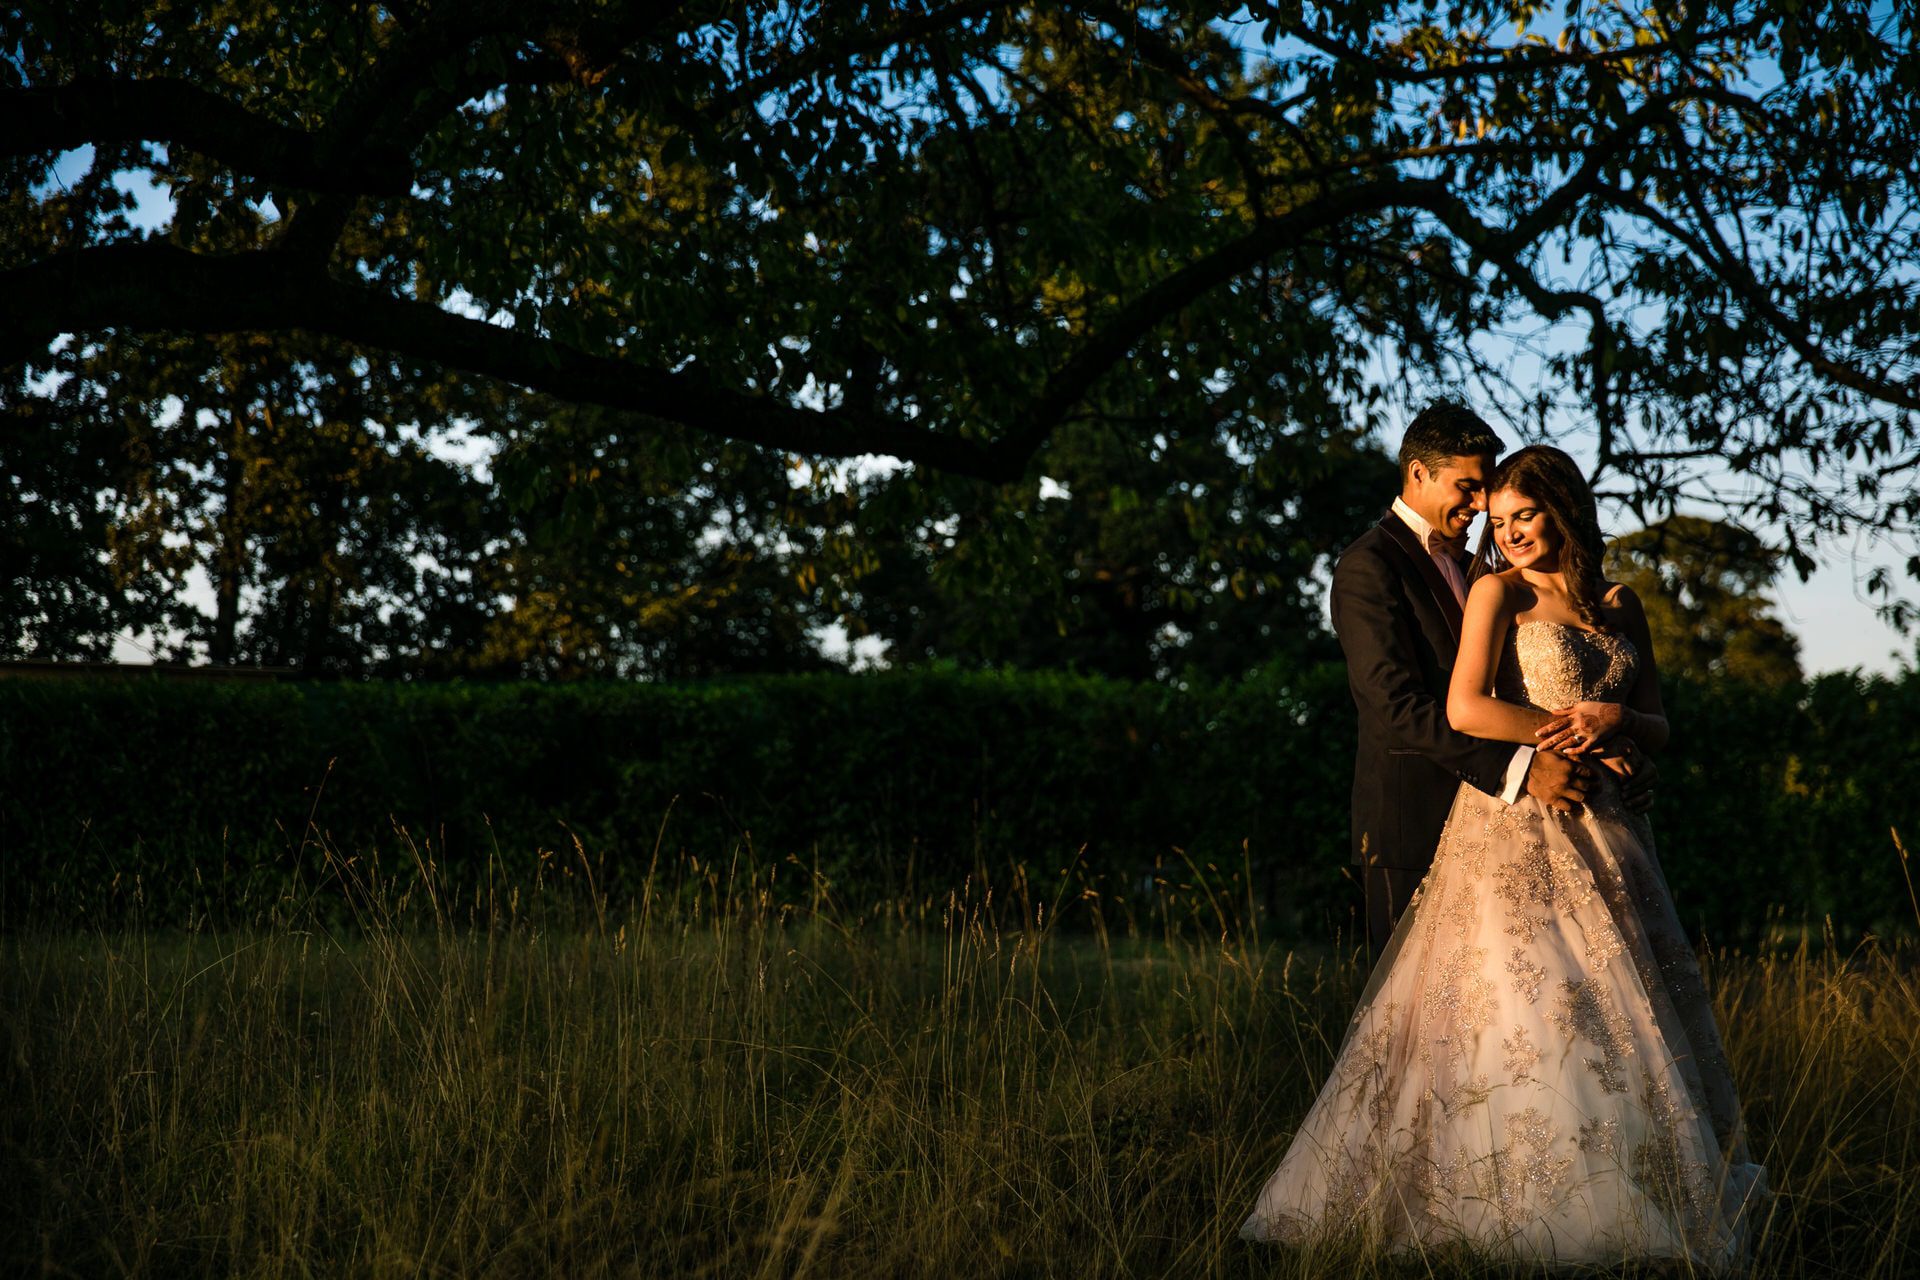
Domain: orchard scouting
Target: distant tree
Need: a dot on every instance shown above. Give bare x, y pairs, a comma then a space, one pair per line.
300, 482
1146, 563
69, 476
1705, 586
331, 537
645, 554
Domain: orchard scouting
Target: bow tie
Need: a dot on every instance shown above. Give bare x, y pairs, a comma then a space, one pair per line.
1439, 546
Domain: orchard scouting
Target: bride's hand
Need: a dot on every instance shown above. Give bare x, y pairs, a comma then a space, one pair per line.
1577, 729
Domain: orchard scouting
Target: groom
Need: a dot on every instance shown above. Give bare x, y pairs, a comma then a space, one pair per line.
1398, 592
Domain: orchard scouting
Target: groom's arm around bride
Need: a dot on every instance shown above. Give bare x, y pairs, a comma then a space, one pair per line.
1396, 605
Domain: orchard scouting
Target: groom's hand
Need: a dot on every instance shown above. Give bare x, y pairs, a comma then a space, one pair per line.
1637, 777
1559, 782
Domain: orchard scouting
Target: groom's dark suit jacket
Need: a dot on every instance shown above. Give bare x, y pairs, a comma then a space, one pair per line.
1399, 626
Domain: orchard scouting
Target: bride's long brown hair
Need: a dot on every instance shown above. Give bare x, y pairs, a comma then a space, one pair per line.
1551, 480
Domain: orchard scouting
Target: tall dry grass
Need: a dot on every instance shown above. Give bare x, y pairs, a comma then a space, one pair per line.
734, 1075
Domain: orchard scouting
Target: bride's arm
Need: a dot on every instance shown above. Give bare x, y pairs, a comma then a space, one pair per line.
1471, 706
1646, 721
1584, 726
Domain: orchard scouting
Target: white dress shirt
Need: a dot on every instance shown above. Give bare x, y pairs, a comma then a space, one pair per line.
1437, 546
1442, 552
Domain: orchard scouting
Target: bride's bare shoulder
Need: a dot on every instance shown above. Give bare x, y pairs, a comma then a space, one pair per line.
1499, 598
1506, 588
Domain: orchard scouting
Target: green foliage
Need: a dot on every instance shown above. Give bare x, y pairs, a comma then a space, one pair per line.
299, 478
215, 796
1704, 586
624, 552
1178, 557
295, 480
1783, 797
62, 594
206, 789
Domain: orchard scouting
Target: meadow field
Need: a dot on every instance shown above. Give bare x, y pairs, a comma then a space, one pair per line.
734, 1074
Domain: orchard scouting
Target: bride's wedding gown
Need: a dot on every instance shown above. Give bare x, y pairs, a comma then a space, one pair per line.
1533, 1066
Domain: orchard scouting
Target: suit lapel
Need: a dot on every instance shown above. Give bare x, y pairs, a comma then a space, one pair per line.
1429, 572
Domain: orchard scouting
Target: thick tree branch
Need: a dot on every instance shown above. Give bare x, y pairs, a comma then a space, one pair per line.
155, 286
152, 285
61, 117
1174, 293
365, 149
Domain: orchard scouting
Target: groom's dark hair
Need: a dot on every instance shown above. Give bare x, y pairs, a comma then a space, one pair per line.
1446, 429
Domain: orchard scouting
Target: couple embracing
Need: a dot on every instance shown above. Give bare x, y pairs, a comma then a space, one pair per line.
1533, 1067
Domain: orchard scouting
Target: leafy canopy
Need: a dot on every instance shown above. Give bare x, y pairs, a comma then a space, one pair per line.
1704, 585
983, 239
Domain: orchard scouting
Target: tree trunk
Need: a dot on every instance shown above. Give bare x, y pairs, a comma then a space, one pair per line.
230, 550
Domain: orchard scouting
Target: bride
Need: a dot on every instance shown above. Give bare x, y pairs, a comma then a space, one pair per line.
1534, 1066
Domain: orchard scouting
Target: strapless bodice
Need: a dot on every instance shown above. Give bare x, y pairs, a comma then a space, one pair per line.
1551, 665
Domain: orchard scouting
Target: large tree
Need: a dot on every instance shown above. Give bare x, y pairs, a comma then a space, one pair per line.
292, 476
69, 508
640, 553
1705, 585
945, 231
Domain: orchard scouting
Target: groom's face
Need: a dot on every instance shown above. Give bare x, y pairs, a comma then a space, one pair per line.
1449, 496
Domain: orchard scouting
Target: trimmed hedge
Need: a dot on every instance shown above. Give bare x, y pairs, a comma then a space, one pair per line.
893, 783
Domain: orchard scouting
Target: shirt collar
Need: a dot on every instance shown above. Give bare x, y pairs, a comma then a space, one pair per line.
1430, 537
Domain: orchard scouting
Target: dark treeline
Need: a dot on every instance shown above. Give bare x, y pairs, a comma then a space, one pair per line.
293, 482
332, 539
202, 800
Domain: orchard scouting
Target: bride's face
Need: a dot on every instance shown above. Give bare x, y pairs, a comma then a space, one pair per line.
1522, 530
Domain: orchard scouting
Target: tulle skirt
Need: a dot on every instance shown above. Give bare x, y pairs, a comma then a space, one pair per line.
1533, 1067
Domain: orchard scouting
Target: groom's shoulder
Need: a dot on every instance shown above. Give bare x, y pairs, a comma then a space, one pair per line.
1372, 550
1371, 567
